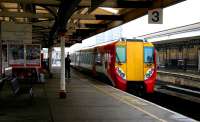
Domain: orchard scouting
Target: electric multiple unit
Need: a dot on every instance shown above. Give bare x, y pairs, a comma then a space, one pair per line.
129, 63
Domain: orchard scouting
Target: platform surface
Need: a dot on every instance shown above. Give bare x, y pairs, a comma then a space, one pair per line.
87, 100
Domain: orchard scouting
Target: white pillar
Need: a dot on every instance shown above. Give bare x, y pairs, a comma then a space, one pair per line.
62, 78
50, 58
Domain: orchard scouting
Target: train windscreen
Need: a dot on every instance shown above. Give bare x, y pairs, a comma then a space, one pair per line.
121, 54
148, 54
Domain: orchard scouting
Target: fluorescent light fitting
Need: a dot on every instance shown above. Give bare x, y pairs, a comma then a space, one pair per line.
112, 10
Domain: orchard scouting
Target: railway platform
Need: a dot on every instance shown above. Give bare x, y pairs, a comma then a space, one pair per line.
87, 100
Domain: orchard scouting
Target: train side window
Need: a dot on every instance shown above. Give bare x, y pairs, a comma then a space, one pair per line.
87, 57
91, 58
148, 54
98, 59
121, 54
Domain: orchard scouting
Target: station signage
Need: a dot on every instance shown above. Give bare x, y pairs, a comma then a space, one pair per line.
15, 33
155, 16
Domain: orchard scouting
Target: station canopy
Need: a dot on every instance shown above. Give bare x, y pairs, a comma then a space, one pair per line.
76, 19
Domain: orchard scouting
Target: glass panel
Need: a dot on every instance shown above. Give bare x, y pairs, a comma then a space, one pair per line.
98, 59
148, 54
121, 54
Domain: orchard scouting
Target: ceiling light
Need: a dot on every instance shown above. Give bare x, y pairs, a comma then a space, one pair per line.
112, 10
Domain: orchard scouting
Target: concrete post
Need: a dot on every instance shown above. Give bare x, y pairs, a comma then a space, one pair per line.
62, 79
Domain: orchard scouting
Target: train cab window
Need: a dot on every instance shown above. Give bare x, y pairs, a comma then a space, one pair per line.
121, 54
148, 54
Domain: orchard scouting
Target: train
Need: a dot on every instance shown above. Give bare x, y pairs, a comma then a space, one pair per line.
129, 64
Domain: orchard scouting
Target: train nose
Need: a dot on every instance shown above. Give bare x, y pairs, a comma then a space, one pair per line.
135, 62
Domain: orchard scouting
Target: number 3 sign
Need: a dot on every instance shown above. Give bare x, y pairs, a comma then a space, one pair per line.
155, 16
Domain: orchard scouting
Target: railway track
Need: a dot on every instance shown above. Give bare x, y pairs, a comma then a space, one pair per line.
190, 94
182, 100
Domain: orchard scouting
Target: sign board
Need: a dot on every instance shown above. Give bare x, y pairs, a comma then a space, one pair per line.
16, 32
155, 16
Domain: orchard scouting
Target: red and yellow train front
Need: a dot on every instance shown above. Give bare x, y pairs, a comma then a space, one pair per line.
135, 66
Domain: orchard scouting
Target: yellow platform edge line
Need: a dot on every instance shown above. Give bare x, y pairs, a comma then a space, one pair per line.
126, 102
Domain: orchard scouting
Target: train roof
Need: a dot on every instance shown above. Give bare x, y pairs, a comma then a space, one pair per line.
109, 42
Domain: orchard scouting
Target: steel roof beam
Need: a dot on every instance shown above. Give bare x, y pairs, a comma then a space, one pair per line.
39, 2
97, 17
47, 24
92, 3
93, 26
5, 9
52, 10
134, 4
65, 11
25, 15
117, 3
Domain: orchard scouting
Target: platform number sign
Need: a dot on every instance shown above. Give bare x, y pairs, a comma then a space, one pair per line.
155, 16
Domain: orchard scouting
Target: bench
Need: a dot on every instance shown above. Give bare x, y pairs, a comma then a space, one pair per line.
16, 87
21, 89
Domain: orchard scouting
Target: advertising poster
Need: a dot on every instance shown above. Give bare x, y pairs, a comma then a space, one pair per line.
16, 55
33, 55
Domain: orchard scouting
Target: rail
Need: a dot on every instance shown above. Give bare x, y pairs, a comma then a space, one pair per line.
182, 75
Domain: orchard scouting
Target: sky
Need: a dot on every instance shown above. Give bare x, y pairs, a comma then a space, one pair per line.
181, 14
